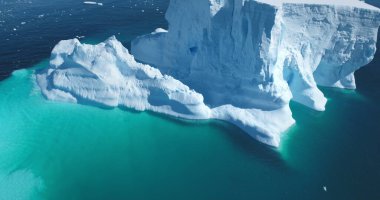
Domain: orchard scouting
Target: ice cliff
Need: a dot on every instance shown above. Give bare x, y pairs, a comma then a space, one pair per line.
240, 61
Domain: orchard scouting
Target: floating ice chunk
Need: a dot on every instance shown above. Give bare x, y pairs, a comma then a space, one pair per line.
159, 30
93, 3
90, 2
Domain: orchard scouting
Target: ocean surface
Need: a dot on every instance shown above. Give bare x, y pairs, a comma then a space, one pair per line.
61, 151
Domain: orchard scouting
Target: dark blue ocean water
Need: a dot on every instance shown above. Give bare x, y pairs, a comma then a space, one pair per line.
54, 151
29, 29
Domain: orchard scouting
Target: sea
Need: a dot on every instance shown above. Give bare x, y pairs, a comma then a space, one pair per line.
60, 151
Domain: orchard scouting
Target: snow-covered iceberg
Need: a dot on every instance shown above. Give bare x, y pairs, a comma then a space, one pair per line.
107, 75
240, 61
255, 53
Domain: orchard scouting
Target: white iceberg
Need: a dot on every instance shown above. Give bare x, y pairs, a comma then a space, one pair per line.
240, 61
247, 48
107, 75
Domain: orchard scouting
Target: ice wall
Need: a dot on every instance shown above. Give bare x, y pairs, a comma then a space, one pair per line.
259, 53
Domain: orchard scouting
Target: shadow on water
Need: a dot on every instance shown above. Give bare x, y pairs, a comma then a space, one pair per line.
267, 155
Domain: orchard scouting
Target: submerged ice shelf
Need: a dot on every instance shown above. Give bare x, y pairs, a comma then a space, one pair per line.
240, 61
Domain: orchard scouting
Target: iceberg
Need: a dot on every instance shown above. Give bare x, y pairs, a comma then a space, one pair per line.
241, 61
106, 75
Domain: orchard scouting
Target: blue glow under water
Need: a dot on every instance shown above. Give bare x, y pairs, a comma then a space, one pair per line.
60, 151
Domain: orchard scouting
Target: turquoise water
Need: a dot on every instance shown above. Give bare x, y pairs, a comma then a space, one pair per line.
60, 151
71, 151
55, 151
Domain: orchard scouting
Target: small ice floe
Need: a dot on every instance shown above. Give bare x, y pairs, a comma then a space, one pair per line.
159, 30
325, 188
41, 16
90, 2
14, 29
23, 23
80, 37
93, 3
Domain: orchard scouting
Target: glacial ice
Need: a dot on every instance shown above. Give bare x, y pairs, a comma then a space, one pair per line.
266, 50
240, 61
107, 75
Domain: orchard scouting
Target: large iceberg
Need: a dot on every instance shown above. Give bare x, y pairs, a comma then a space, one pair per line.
107, 75
240, 61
